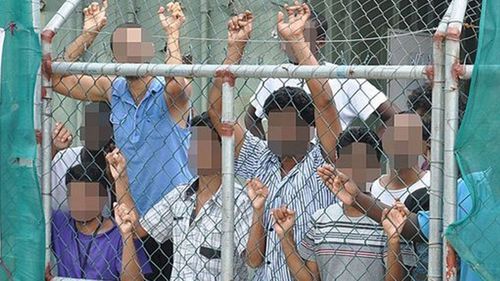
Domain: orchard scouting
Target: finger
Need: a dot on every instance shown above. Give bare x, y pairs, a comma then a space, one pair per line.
281, 17
161, 10
86, 12
170, 7
104, 5
94, 7
307, 11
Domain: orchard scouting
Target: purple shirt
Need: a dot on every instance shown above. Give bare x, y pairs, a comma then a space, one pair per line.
104, 259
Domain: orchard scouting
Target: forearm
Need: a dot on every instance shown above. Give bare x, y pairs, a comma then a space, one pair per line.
395, 271
296, 264
373, 208
123, 197
175, 85
256, 245
131, 269
76, 49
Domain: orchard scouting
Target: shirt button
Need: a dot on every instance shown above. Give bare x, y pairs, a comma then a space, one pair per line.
268, 262
271, 229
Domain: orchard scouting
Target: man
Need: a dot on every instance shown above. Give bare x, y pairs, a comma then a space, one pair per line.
284, 164
342, 242
192, 213
355, 98
96, 134
85, 244
149, 114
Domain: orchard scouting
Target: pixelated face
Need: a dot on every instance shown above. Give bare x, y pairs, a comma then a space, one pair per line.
86, 200
359, 162
96, 131
288, 134
205, 152
403, 140
132, 45
310, 35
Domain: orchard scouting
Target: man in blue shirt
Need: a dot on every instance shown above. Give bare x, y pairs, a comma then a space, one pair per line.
149, 114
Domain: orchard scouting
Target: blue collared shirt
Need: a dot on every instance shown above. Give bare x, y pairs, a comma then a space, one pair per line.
155, 147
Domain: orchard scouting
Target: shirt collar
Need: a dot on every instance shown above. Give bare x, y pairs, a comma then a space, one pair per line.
193, 188
155, 87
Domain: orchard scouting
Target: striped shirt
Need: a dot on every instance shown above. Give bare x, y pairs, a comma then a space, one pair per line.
197, 238
301, 190
345, 248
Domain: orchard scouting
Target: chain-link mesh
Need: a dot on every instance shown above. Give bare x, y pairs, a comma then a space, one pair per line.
169, 222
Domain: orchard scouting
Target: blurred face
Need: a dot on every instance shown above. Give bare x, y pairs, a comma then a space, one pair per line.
132, 45
97, 130
205, 152
359, 162
403, 141
86, 200
310, 35
288, 134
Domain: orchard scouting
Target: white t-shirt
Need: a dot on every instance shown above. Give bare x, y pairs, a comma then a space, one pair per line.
353, 97
62, 162
388, 197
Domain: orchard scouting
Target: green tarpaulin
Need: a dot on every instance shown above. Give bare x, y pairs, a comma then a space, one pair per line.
22, 233
476, 239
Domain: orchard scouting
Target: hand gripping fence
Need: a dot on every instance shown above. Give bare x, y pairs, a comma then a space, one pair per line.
445, 72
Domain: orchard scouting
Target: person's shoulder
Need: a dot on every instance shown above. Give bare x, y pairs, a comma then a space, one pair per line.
328, 214
61, 219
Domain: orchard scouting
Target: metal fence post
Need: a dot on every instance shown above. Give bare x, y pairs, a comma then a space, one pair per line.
227, 243
437, 142
47, 36
451, 122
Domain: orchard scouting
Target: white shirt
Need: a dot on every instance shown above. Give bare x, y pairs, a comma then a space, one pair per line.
197, 240
353, 97
301, 190
61, 163
389, 196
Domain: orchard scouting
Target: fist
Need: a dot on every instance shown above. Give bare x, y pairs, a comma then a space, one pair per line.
393, 220
61, 137
117, 164
341, 185
239, 29
257, 192
172, 18
284, 220
125, 218
95, 17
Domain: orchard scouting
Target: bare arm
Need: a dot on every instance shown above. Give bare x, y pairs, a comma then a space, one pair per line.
386, 111
395, 271
256, 245
393, 221
176, 96
131, 270
84, 87
326, 115
239, 29
254, 123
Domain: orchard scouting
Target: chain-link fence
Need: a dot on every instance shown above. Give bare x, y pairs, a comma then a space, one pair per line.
227, 172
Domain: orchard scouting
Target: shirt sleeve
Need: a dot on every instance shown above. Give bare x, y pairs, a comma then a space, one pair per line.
307, 248
364, 97
243, 220
158, 221
251, 156
259, 98
423, 223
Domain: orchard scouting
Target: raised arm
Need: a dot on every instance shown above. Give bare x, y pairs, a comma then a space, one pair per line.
239, 30
118, 167
172, 18
256, 245
301, 270
349, 193
125, 219
84, 87
393, 221
326, 115
61, 138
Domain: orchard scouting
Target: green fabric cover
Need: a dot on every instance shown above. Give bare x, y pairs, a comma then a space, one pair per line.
476, 238
22, 235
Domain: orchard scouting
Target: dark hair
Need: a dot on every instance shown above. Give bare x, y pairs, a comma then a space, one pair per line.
203, 120
88, 173
361, 135
321, 25
291, 97
123, 25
